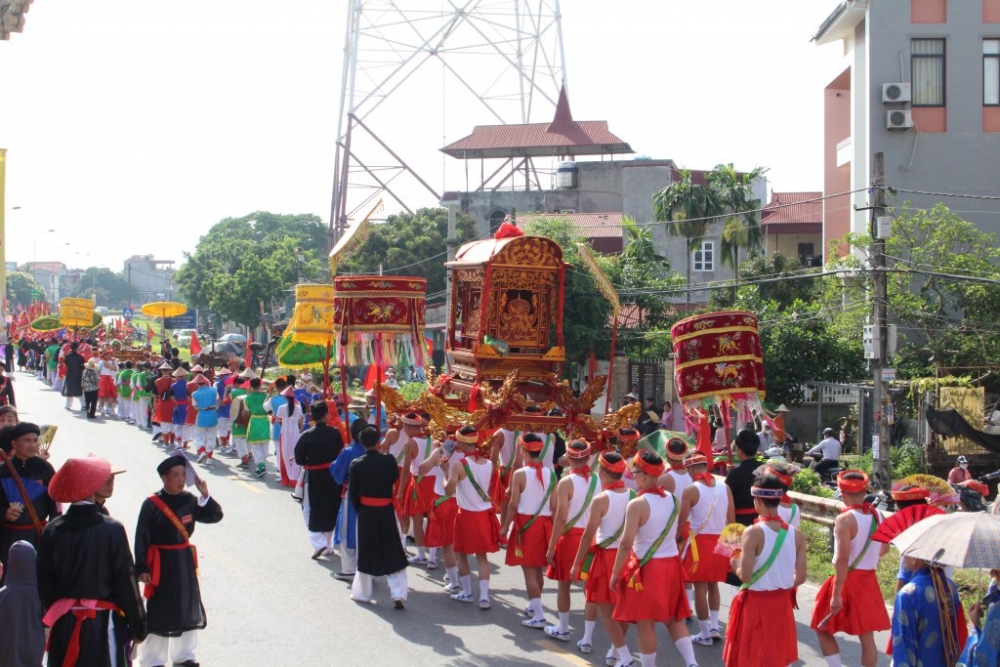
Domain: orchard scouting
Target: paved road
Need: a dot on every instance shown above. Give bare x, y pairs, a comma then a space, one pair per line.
269, 604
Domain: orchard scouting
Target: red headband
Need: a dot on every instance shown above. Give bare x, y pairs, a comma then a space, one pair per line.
782, 477
652, 469
695, 460
530, 445
628, 434
852, 485
578, 453
911, 493
617, 468
470, 438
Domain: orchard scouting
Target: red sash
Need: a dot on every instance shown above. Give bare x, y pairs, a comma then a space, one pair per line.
318, 466
368, 501
153, 550
81, 612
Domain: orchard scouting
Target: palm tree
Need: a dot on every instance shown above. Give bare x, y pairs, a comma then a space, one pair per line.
742, 226
642, 266
688, 208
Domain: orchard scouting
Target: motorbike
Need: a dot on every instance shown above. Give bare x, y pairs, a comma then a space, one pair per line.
828, 476
972, 494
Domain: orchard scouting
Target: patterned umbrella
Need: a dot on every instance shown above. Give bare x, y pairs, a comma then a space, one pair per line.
292, 354
964, 539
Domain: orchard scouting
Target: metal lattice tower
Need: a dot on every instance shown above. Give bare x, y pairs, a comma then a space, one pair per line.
505, 57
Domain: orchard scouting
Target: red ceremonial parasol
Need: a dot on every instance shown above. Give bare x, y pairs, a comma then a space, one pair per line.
889, 529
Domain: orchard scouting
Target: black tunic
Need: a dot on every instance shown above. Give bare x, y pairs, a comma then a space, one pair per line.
74, 374
35, 473
85, 555
740, 480
176, 605
380, 550
319, 446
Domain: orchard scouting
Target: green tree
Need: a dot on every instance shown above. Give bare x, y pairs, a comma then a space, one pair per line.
688, 207
410, 245
110, 288
586, 314
741, 228
22, 288
243, 261
781, 288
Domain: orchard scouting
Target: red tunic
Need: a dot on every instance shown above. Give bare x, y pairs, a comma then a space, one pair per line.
566, 548
863, 610
755, 615
530, 548
477, 532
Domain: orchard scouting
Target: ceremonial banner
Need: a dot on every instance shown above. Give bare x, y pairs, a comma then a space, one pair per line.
312, 319
76, 312
379, 319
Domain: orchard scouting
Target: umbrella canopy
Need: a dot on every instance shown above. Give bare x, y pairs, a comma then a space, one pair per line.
658, 439
76, 312
292, 354
940, 490
46, 323
163, 309
964, 539
889, 529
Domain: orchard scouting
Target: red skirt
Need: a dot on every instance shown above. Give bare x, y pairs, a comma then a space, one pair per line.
106, 387
710, 567
566, 547
163, 411
476, 532
597, 588
528, 549
419, 497
441, 527
863, 610
656, 593
500, 487
755, 615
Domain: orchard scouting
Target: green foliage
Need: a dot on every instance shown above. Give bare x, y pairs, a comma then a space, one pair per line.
411, 391
782, 293
905, 460
243, 261
806, 481
586, 314
20, 286
742, 226
110, 288
412, 245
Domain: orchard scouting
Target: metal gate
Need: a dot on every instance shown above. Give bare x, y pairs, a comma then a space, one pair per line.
647, 376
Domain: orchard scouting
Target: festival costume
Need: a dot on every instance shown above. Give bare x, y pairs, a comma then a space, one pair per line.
600, 560
444, 512
106, 386
529, 540
205, 401
237, 432
420, 495
174, 611
259, 427
163, 405
477, 529
224, 408
653, 590
790, 515
35, 475
707, 519
500, 484
761, 630
315, 452
345, 534
863, 607
289, 435
585, 486
181, 402
920, 631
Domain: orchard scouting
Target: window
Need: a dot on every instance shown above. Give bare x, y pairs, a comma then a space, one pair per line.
927, 72
496, 219
991, 72
704, 258
806, 250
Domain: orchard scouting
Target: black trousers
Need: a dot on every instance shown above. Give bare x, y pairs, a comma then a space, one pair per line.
90, 403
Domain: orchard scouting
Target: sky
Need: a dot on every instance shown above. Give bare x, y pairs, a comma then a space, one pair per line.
132, 127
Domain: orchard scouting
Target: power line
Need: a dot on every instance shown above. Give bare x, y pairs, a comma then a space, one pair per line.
957, 195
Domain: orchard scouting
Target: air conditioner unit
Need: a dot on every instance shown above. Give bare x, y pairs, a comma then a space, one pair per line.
898, 119
895, 93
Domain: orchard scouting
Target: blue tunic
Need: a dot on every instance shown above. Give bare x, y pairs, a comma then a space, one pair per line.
983, 647
220, 388
916, 623
180, 392
204, 399
347, 520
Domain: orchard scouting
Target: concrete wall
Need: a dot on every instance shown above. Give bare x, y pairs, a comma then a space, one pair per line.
788, 244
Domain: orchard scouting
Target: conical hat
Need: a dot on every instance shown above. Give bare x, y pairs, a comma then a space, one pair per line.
79, 479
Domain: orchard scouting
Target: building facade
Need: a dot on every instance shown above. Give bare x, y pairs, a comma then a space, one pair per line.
920, 83
150, 279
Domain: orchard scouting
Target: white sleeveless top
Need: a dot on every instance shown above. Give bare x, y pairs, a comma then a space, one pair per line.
534, 492
681, 481
580, 488
396, 448
870, 561
790, 515
614, 518
425, 446
508, 448
467, 496
547, 456
716, 521
781, 574
660, 510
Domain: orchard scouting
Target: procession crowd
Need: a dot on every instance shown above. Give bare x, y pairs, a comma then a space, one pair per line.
648, 536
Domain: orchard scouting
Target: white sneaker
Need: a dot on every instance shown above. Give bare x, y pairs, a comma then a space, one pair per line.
701, 640
452, 588
432, 565
584, 646
417, 560
715, 634
462, 597
622, 663
201, 457
554, 632
485, 603
536, 623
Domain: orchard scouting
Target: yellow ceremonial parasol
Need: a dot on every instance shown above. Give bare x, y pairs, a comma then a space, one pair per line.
76, 312
163, 310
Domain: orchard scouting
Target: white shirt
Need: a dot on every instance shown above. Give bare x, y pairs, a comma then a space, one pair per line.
467, 496
781, 574
708, 515
533, 496
870, 560
830, 449
614, 518
660, 510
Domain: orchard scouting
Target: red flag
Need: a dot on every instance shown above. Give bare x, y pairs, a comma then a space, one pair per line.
247, 355
195, 344
705, 436
592, 367
149, 333
370, 377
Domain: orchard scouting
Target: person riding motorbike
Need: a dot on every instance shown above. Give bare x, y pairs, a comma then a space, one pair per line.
826, 453
960, 474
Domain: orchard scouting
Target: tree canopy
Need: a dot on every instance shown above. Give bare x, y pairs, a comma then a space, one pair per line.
22, 288
109, 288
410, 245
242, 261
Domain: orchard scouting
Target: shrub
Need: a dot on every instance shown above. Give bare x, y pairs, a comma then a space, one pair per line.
905, 460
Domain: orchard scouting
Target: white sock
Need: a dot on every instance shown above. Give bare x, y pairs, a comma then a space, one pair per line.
612, 652
588, 632
535, 604
432, 554
564, 621
421, 552
645, 659
704, 627
484, 589
453, 575
833, 660
623, 653
467, 584
713, 617
690, 593
686, 649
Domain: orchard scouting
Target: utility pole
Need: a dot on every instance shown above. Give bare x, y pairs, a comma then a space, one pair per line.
128, 291
880, 397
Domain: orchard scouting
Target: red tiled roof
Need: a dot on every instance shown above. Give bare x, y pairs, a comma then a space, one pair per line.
785, 208
563, 136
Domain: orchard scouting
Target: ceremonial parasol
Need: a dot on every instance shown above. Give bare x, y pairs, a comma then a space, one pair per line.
309, 337
46, 323
963, 539
892, 527
163, 310
76, 312
940, 490
658, 439
292, 354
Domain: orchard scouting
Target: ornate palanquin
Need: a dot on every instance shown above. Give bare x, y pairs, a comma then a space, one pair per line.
506, 313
